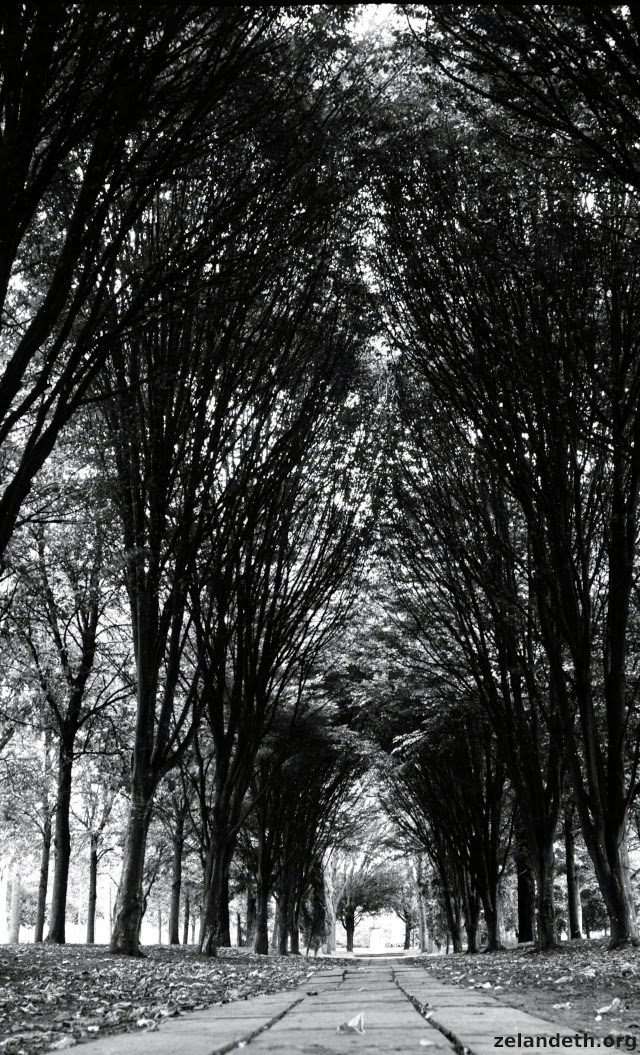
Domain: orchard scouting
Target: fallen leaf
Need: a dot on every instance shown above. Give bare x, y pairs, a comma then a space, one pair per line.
64, 1042
354, 1025
613, 1006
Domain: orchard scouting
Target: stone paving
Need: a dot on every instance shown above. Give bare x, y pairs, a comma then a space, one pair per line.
403, 1010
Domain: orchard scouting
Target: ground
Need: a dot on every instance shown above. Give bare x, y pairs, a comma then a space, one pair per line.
54, 996
572, 986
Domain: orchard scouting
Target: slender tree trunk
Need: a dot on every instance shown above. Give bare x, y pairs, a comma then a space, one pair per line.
130, 900
275, 934
573, 889
159, 925
283, 920
44, 880
422, 924
294, 928
252, 910
261, 938
239, 935
14, 924
472, 921
422, 913
408, 925
62, 843
93, 888
547, 936
176, 880
349, 926
526, 896
224, 926
185, 926
215, 875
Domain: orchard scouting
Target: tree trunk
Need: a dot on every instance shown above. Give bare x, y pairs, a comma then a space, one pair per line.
422, 912
493, 920
93, 888
408, 924
176, 881
129, 902
294, 929
573, 888
185, 926
14, 924
252, 918
261, 936
159, 925
547, 936
349, 926
283, 920
275, 934
472, 921
216, 873
239, 935
62, 843
526, 897
44, 880
224, 926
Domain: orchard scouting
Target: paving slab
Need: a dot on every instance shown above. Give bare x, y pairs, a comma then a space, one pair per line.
391, 1023
200, 1032
393, 999
479, 1022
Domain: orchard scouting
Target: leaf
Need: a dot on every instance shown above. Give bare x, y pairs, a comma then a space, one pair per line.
64, 1042
354, 1025
613, 1006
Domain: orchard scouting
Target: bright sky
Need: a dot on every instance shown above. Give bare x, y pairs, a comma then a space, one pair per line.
373, 16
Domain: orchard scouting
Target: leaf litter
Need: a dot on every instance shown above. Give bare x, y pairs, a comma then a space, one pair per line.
582, 985
54, 997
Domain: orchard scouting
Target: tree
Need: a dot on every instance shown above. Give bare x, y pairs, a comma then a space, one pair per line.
58, 616
98, 110
367, 886
561, 74
557, 417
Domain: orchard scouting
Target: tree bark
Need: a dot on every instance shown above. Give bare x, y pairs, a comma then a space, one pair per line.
93, 888
294, 929
407, 933
251, 918
526, 895
283, 921
573, 888
261, 938
185, 926
130, 900
224, 927
422, 913
44, 880
62, 843
176, 880
349, 926
159, 925
472, 921
14, 924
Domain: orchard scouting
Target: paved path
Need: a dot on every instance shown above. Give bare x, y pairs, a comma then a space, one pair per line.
393, 998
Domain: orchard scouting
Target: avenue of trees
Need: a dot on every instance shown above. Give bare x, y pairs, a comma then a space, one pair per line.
320, 471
